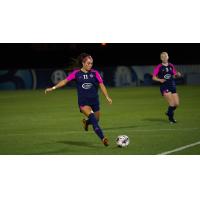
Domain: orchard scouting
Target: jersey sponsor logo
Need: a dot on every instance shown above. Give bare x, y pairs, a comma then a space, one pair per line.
167, 76
87, 86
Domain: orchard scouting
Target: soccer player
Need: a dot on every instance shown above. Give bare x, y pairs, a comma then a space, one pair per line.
87, 81
165, 73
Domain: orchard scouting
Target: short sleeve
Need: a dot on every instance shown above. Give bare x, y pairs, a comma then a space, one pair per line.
174, 70
98, 76
72, 76
156, 70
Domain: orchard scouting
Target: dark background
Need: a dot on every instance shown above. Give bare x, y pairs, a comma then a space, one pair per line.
51, 55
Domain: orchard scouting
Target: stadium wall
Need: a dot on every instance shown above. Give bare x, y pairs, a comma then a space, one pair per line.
114, 76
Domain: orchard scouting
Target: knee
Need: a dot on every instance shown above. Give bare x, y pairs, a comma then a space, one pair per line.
176, 105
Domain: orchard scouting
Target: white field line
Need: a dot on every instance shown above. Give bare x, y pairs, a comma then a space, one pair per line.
151, 130
180, 148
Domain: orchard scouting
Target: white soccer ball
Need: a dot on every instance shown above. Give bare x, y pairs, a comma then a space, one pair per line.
122, 141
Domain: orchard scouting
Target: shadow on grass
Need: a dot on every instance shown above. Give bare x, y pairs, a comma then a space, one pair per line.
68, 150
78, 143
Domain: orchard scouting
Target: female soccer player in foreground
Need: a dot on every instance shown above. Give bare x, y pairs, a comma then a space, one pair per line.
87, 81
165, 73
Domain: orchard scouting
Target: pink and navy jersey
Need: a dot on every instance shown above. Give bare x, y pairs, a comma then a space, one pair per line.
165, 72
86, 83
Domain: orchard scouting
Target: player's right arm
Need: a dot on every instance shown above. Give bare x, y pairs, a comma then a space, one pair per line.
59, 85
155, 75
63, 82
155, 78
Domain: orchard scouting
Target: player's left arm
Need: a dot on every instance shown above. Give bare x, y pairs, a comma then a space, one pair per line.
105, 92
176, 73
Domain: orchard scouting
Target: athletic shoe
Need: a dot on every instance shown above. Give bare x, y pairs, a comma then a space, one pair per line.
171, 118
105, 141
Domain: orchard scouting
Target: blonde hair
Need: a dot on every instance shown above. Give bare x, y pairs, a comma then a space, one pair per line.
164, 52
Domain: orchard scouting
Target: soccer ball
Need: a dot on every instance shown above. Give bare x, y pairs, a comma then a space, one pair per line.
122, 141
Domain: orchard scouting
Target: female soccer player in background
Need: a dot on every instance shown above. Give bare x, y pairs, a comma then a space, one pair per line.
87, 81
165, 73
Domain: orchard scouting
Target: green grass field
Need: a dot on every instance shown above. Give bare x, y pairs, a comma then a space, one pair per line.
34, 123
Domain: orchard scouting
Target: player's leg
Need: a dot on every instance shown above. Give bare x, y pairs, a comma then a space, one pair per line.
170, 112
169, 98
97, 115
86, 122
87, 111
95, 110
176, 101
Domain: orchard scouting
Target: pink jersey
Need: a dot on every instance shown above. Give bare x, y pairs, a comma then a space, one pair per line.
165, 72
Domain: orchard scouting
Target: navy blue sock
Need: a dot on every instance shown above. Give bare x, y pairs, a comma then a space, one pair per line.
170, 111
88, 121
174, 108
96, 126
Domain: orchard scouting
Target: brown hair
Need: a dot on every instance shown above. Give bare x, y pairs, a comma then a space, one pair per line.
82, 57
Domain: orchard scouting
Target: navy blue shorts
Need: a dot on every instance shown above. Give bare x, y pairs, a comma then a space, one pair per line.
165, 89
92, 102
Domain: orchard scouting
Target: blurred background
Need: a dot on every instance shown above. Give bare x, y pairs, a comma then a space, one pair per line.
37, 66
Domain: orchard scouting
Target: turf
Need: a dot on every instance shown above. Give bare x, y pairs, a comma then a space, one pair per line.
34, 123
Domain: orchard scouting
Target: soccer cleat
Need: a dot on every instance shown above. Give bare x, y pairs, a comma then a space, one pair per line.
172, 121
105, 141
171, 118
85, 125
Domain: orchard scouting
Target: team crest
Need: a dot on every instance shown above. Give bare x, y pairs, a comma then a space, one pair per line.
91, 75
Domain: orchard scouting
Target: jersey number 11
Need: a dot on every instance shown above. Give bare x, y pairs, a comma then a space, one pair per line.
85, 76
